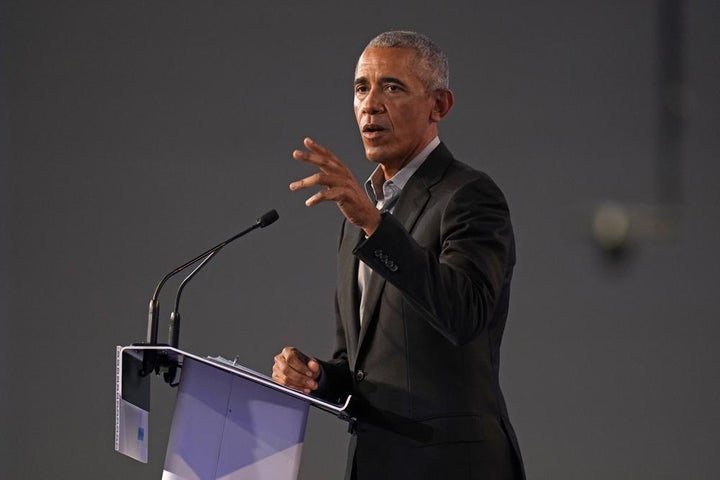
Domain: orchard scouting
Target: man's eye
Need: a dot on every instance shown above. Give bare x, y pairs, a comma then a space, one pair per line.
360, 89
393, 88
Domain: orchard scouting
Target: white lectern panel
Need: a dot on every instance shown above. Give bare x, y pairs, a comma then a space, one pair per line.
226, 427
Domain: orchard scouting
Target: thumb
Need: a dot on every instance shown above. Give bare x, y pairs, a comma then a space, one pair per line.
313, 365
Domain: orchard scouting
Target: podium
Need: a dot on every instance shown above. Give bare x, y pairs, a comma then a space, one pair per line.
229, 423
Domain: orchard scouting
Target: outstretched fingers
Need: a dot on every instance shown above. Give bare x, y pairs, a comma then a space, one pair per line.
340, 186
319, 156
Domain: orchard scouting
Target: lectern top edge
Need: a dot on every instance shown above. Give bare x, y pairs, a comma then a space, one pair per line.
241, 371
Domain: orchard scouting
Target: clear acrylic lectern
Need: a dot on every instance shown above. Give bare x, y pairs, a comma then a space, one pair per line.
230, 423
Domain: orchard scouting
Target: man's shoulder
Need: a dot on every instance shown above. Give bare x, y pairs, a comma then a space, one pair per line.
456, 167
445, 175
459, 174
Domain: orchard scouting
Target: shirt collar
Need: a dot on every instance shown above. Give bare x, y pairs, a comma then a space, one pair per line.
376, 182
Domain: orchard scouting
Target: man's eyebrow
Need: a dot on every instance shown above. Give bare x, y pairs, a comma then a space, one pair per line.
392, 80
383, 80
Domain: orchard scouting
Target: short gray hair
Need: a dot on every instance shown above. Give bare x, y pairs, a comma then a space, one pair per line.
428, 54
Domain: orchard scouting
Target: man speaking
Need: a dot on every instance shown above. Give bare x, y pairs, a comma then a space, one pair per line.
425, 259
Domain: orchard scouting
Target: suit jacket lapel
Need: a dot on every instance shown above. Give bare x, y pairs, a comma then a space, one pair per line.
416, 193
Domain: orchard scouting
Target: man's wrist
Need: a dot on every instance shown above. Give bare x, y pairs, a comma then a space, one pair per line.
373, 224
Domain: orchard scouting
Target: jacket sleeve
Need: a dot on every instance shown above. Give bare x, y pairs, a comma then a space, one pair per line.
455, 290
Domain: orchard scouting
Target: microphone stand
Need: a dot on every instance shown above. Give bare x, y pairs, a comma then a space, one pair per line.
152, 360
174, 328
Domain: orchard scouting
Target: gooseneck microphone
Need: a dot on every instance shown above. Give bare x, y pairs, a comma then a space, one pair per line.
174, 330
154, 308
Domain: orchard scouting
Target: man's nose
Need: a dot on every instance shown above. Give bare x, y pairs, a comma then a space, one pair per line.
373, 102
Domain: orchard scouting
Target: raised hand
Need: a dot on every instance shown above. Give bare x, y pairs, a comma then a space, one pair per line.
340, 186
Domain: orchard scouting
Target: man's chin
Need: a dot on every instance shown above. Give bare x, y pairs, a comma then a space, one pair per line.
374, 154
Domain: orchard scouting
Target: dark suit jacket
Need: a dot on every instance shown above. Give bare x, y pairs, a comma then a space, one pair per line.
423, 368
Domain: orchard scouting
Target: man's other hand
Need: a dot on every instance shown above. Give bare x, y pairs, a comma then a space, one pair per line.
296, 370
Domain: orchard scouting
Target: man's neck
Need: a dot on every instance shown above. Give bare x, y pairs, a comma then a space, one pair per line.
391, 169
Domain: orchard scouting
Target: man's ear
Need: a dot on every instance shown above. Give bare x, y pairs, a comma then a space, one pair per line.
443, 102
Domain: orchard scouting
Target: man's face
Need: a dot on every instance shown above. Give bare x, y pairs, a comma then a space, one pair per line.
392, 106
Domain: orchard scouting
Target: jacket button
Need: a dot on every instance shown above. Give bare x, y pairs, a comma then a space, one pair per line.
359, 375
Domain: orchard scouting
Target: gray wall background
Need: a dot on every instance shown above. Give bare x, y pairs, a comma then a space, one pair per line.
137, 134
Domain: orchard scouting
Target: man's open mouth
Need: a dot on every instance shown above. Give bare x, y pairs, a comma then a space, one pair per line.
371, 129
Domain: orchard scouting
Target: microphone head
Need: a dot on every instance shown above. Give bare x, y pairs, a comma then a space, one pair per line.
268, 218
